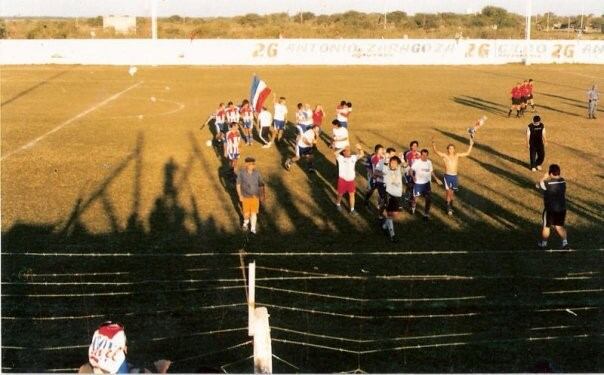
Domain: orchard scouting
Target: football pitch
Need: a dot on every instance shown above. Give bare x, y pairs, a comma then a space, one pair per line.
114, 208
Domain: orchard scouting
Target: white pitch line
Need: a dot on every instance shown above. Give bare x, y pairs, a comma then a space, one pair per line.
75, 118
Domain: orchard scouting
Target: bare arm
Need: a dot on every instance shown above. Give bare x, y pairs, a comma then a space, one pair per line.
544, 139
528, 136
441, 154
360, 151
467, 153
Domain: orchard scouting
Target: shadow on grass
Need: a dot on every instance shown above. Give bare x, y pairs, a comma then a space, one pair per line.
167, 301
34, 87
483, 105
485, 148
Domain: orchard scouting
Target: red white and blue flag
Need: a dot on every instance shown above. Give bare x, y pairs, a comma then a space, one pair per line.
258, 93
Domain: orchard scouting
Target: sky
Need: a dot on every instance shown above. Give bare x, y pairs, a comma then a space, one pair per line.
214, 8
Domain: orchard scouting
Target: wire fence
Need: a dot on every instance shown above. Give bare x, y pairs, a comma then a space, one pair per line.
293, 296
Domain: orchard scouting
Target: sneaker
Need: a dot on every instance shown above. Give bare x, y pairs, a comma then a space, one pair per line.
412, 210
393, 239
338, 207
426, 217
354, 213
312, 170
533, 169
244, 227
450, 212
539, 168
566, 247
253, 231
541, 246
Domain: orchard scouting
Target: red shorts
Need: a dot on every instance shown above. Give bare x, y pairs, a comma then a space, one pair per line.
346, 186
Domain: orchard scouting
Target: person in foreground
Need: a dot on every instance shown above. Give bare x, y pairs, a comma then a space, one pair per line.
107, 353
250, 189
554, 200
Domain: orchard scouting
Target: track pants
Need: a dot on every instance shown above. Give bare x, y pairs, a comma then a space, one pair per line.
537, 154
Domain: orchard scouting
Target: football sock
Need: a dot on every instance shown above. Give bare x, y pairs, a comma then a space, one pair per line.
390, 226
253, 220
564, 242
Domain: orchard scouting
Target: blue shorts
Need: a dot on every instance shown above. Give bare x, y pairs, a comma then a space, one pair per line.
279, 124
451, 182
409, 179
421, 189
247, 124
344, 124
301, 128
303, 151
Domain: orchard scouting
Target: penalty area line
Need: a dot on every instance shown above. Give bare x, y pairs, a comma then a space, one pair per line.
74, 118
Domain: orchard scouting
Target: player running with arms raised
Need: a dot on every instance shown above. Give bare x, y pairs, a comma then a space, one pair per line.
451, 159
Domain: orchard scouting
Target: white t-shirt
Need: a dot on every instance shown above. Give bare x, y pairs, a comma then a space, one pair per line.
393, 180
307, 117
346, 167
423, 171
340, 133
309, 137
265, 119
280, 111
343, 113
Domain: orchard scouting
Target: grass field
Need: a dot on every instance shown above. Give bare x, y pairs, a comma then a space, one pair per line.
91, 165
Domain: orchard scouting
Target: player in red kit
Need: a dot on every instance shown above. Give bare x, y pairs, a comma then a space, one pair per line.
516, 95
524, 98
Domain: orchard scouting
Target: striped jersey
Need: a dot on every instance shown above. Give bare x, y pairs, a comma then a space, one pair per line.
232, 143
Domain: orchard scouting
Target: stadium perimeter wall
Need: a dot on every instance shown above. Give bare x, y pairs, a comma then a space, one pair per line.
298, 51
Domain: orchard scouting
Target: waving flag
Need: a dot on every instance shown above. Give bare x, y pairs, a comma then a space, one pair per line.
258, 93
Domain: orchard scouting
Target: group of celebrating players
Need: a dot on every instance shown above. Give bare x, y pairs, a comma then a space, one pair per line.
522, 96
399, 178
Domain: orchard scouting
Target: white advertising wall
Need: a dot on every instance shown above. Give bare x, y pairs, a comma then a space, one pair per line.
298, 51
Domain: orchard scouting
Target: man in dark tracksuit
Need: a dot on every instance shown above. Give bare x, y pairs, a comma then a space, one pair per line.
535, 141
554, 199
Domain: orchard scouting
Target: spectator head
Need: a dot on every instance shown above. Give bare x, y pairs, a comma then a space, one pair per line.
108, 335
221, 105
450, 148
424, 154
390, 151
233, 125
299, 105
377, 148
250, 163
536, 119
414, 145
394, 162
349, 104
530, 80
245, 102
335, 123
346, 152
230, 104
554, 170
282, 99
343, 103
